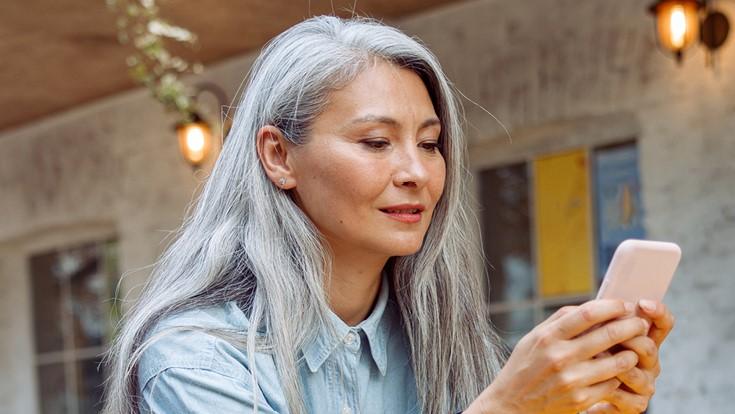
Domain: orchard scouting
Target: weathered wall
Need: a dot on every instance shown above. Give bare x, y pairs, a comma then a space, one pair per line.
548, 69
554, 72
111, 168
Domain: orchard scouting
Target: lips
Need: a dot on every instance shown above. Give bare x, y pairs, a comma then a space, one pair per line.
404, 209
397, 211
407, 213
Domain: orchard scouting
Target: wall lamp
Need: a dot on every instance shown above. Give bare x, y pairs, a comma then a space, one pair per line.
681, 23
195, 134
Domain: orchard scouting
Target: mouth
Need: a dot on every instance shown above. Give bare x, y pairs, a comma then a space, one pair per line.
401, 211
403, 214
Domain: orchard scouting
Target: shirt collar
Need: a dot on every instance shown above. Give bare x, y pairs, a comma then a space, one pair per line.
375, 328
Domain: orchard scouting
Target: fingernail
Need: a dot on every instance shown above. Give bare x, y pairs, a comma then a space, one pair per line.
648, 305
633, 360
646, 324
629, 307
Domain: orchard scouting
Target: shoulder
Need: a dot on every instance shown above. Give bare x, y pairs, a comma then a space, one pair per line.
188, 366
192, 339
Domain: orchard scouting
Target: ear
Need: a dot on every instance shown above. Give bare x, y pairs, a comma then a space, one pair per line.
273, 154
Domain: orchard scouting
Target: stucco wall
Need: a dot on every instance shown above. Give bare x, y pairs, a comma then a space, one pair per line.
108, 169
554, 72
550, 69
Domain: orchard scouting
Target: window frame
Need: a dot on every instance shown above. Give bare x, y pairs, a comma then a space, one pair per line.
70, 356
528, 144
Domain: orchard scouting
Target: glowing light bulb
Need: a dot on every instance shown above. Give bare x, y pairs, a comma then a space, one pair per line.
678, 26
195, 139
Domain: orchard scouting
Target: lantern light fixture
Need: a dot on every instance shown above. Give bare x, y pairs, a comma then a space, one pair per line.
195, 133
682, 23
195, 140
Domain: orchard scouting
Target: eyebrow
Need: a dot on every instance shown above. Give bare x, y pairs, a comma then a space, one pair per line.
391, 121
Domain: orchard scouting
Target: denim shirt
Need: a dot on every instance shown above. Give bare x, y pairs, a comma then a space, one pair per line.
366, 370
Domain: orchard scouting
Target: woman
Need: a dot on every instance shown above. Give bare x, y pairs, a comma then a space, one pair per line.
335, 222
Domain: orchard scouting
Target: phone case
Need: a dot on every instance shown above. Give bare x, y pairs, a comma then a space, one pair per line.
640, 269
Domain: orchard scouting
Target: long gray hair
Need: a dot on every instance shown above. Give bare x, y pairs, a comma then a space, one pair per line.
247, 240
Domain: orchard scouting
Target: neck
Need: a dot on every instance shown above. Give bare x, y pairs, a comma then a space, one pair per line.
356, 279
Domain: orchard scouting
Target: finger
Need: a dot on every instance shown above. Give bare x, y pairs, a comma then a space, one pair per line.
604, 337
603, 407
603, 354
595, 393
639, 381
628, 402
646, 349
588, 315
593, 371
558, 314
662, 320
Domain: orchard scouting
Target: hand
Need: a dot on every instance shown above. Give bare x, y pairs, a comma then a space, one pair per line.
552, 369
638, 384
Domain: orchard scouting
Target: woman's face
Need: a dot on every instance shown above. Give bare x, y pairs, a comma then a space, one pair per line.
374, 146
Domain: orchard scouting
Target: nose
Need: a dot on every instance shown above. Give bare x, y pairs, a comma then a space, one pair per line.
410, 168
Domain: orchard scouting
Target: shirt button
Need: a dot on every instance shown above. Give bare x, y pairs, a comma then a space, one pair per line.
349, 339
346, 410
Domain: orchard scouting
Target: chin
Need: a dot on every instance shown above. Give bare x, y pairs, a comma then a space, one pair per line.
404, 248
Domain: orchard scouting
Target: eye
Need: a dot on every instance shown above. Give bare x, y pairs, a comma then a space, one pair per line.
376, 145
431, 146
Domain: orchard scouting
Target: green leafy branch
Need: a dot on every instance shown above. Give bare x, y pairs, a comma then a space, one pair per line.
152, 65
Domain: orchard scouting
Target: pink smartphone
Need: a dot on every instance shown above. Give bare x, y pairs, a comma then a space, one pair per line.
640, 269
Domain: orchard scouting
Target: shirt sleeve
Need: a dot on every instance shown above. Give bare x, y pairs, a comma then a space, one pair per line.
195, 390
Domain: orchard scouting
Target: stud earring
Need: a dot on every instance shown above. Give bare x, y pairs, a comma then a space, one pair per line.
282, 181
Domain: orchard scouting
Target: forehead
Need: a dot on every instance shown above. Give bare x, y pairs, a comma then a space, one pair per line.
382, 90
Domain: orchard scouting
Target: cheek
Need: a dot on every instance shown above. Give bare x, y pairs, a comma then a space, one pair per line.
341, 184
436, 185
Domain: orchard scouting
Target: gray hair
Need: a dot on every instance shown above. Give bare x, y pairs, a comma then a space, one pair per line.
247, 240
